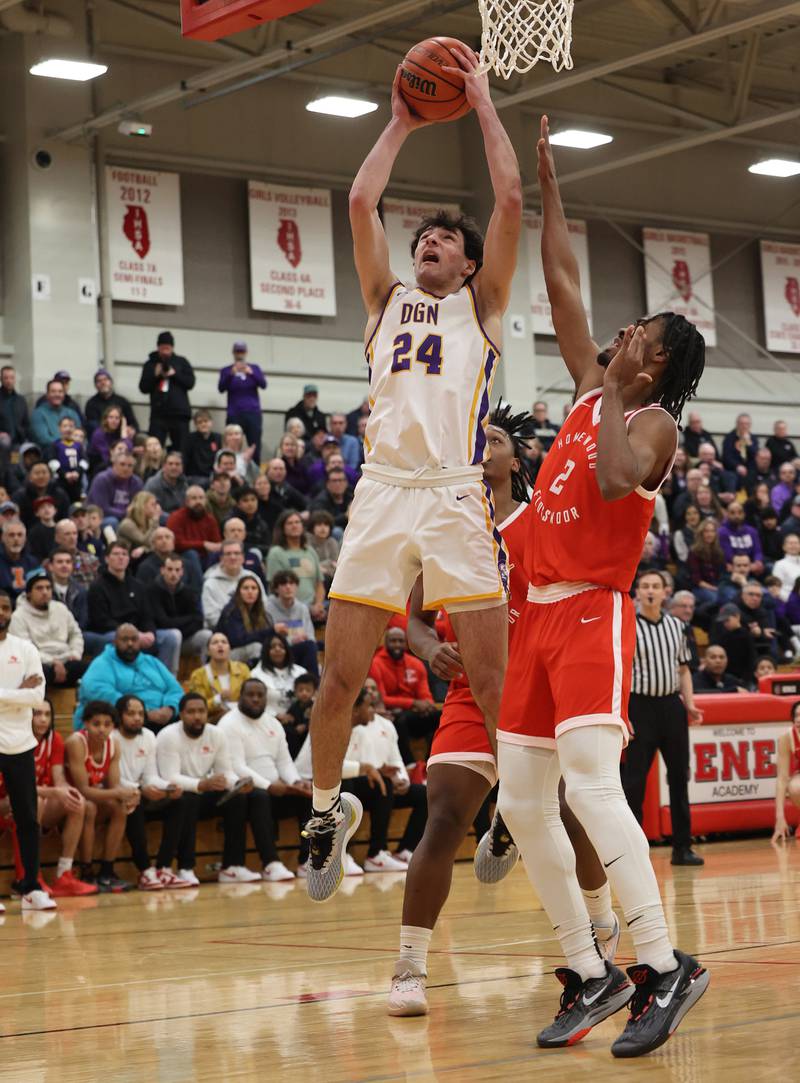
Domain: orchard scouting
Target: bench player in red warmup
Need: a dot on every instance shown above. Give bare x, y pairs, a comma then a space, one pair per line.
564, 708
462, 767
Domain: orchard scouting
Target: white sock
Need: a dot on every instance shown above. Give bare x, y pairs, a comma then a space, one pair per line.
323, 801
528, 803
64, 865
589, 757
598, 903
414, 944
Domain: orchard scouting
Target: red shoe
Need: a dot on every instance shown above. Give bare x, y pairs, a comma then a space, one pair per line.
68, 885
44, 886
419, 772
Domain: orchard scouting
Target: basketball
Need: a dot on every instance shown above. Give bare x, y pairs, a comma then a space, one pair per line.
428, 90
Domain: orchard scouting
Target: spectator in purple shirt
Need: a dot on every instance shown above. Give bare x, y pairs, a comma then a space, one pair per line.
331, 460
241, 381
735, 536
114, 489
784, 490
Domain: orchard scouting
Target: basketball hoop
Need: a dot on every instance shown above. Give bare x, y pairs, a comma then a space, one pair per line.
519, 33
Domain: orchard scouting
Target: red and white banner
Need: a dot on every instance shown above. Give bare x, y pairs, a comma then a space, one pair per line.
540, 306
730, 763
291, 250
400, 221
780, 273
145, 247
677, 269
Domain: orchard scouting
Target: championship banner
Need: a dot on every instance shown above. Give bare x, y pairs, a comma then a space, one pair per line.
291, 250
730, 763
400, 221
540, 306
145, 247
780, 274
677, 268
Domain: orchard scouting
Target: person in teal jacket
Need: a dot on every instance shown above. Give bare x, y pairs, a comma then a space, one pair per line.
122, 668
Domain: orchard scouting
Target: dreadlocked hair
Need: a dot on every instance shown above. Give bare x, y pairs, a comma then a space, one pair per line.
520, 429
685, 348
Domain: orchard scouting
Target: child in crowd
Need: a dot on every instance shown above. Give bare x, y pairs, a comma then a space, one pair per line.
67, 459
218, 498
292, 619
201, 447
92, 537
42, 535
320, 524
299, 711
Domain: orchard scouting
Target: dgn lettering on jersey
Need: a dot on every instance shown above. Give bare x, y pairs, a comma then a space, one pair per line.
419, 313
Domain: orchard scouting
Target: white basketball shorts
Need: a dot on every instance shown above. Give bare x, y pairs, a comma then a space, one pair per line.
446, 531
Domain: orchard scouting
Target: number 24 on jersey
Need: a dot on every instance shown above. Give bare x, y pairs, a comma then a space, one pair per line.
429, 353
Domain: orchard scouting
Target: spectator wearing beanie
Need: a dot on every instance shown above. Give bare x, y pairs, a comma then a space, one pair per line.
52, 629
104, 397
241, 382
307, 411
168, 378
729, 632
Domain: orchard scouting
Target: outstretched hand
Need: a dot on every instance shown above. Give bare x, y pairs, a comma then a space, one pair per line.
476, 82
400, 109
626, 368
544, 153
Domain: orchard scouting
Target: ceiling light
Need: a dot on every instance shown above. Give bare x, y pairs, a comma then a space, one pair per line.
79, 71
580, 140
341, 107
775, 167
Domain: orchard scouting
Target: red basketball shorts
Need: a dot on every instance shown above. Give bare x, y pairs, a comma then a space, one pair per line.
461, 737
570, 666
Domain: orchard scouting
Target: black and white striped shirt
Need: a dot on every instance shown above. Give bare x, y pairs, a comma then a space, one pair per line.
661, 648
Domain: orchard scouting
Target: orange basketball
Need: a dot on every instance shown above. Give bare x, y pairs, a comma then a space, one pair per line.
429, 91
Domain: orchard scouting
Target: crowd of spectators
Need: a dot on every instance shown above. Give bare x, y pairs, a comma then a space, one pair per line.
125, 550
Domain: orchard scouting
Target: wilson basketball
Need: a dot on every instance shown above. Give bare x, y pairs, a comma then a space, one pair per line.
430, 92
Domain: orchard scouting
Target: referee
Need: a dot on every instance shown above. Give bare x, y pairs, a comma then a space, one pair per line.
661, 676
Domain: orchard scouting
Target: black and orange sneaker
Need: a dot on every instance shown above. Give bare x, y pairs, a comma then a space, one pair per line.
659, 1004
584, 1004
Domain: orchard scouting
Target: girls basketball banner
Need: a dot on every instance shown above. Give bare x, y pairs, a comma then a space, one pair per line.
677, 269
780, 274
400, 221
291, 250
540, 306
145, 245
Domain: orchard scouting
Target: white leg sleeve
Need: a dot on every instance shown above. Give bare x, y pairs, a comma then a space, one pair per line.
589, 758
528, 803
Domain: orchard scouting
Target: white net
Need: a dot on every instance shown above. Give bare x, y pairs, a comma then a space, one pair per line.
519, 33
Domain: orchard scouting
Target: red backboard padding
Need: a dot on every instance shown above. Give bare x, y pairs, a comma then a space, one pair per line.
219, 18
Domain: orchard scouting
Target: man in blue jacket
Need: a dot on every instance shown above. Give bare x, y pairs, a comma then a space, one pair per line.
122, 668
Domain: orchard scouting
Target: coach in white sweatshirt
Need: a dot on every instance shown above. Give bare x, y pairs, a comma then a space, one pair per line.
21, 689
259, 751
195, 756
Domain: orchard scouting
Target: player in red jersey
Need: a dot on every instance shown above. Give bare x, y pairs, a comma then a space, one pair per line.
93, 769
788, 781
61, 806
564, 706
461, 767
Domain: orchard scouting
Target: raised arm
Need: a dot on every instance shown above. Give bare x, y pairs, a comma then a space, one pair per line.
492, 284
562, 277
370, 247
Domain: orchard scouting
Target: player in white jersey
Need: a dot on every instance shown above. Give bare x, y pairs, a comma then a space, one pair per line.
422, 504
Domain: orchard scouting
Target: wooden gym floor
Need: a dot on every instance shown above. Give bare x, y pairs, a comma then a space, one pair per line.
252, 982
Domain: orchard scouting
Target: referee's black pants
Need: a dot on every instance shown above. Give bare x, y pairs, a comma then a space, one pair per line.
19, 774
660, 725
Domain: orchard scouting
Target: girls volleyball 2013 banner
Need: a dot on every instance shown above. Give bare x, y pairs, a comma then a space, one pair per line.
400, 221
291, 250
145, 246
780, 273
677, 268
540, 306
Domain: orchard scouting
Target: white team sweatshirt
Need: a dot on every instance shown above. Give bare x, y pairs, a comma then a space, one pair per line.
137, 760
353, 758
18, 660
186, 760
258, 748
